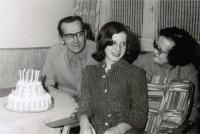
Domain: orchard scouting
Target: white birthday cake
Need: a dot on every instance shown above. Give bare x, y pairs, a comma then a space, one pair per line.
29, 95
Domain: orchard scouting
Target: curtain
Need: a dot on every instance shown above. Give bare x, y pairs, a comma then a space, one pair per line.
147, 17
105, 12
150, 24
95, 13
129, 12
144, 17
183, 14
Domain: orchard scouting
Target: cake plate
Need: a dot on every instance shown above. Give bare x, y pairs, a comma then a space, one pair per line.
28, 112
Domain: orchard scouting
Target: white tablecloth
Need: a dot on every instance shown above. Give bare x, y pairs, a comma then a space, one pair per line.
35, 123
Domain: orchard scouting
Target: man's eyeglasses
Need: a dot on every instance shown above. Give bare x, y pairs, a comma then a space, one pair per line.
78, 35
155, 45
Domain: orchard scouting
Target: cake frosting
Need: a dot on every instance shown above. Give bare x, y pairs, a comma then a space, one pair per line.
29, 95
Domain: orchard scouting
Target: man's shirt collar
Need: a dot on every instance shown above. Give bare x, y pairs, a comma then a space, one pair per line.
71, 57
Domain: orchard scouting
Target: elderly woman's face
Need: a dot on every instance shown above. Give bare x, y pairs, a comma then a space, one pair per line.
161, 50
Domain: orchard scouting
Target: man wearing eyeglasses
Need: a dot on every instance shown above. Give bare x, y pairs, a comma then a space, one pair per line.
62, 70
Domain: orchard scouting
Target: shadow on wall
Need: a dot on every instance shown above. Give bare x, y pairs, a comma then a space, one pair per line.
135, 47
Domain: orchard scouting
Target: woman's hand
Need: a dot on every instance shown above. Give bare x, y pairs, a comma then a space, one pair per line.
119, 129
184, 128
87, 129
85, 126
113, 130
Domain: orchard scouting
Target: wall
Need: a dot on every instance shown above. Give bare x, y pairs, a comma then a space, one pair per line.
11, 60
31, 23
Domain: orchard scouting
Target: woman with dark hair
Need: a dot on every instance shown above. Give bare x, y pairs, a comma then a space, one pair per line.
105, 38
113, 93
172, 55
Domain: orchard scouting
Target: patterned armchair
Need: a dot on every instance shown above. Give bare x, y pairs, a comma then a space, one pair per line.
169, 103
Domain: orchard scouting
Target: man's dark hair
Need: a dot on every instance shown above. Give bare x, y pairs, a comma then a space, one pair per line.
184, 48
69, 19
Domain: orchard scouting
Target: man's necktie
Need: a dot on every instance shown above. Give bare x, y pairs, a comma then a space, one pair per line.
79, 71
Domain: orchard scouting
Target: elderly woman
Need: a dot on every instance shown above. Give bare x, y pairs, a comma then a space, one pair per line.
172, 56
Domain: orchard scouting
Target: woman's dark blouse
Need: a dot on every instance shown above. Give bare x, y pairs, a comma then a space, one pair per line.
118, 96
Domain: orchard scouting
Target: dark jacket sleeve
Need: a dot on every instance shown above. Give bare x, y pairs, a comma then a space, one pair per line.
84, 106
138, 114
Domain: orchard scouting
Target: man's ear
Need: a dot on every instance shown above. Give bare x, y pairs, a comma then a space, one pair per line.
61, 39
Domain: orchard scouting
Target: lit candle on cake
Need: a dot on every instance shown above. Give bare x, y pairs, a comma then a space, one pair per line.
31, 75
24, 74
35, 75
27, 75
20, 75
38, 75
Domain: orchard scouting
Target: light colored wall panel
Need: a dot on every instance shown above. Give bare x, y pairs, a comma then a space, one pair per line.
11, 60
31, 23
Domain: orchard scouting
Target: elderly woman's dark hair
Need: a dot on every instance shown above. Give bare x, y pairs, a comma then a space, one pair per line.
104, 39
184, 48
69, 19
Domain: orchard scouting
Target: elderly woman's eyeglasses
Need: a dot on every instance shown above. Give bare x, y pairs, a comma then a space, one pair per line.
78, 35
155, 45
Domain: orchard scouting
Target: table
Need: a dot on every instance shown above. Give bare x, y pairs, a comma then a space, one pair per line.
35, 123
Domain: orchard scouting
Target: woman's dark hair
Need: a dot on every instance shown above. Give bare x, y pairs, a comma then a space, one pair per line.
104, 39
184, 48
69, 19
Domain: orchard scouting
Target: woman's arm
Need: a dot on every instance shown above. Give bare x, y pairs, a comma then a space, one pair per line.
121, 128
85, 126
193, 77
191, 74
84, 112
85, 95
137, 115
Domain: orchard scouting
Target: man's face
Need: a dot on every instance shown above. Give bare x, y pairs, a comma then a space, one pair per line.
73, 36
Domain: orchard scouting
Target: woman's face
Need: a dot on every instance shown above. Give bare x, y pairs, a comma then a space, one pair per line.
116, 51
163, 45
